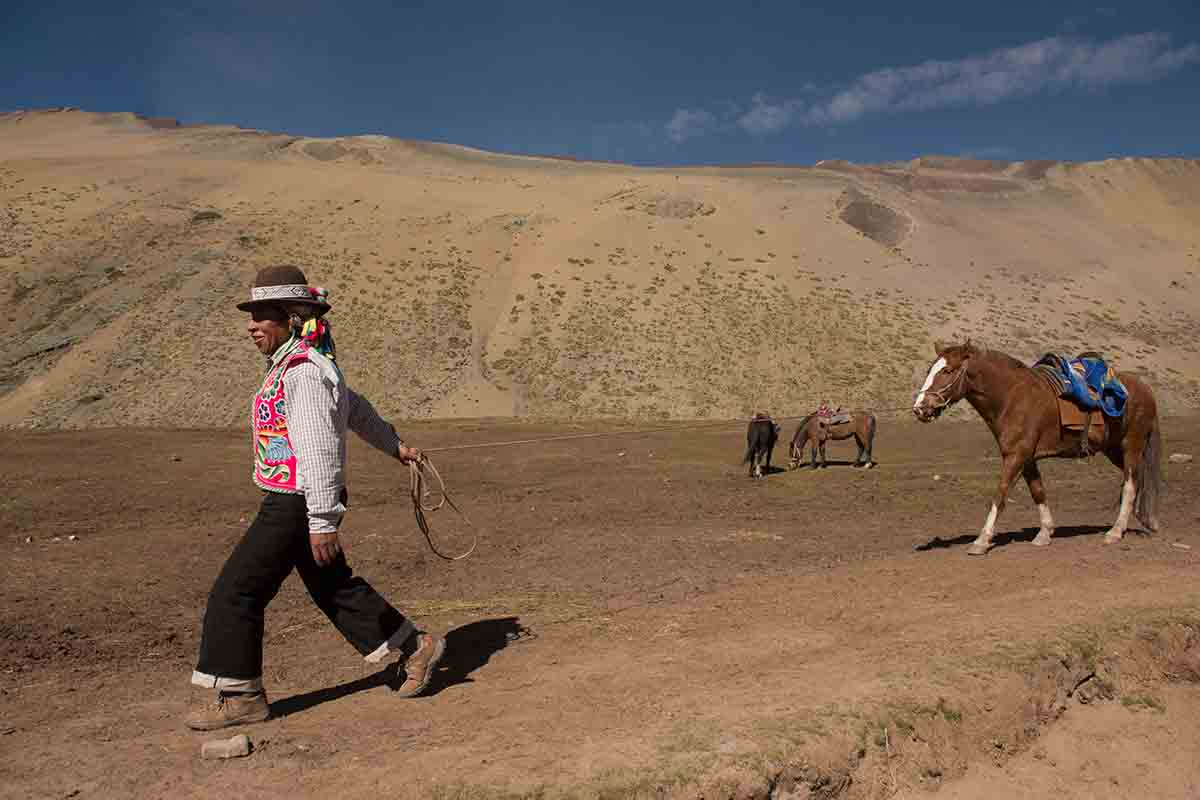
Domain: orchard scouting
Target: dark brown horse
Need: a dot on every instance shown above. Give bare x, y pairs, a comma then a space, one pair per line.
1021, 410
816, 432
761, 436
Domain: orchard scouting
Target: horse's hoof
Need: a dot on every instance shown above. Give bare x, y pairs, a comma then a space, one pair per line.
1112, 538
1042, 540
977, 549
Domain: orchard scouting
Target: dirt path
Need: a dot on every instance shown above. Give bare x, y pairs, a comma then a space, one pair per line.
639, 616
1111, 751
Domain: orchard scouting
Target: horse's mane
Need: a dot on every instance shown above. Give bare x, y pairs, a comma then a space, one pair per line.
1003, 358
984, 351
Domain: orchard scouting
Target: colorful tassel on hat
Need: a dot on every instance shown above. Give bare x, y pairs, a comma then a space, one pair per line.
317, 335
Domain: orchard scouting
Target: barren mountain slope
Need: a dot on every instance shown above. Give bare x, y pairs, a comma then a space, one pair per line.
472, 284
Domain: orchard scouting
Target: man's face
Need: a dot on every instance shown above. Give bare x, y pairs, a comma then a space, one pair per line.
268, 327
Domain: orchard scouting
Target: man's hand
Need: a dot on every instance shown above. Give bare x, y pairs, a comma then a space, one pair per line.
407, 454
325, 547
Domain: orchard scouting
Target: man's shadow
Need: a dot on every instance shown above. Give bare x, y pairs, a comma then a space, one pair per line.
468, 648
1002, 539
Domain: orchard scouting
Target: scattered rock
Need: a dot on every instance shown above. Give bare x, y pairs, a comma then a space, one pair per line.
28, 540
72, 538
176, 458
937, 477
234, 747
5, 730
1181, 545
205, 216
674, 207
621, 454
1180, 458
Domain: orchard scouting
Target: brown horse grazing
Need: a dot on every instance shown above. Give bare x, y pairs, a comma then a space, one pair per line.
812, 430
1022, 411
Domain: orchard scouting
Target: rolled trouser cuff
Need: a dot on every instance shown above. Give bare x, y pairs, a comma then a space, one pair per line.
226, 684
394, 646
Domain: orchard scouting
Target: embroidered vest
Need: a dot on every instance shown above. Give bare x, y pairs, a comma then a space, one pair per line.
274, 456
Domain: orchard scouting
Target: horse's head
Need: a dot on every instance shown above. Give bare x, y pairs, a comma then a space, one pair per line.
946, 382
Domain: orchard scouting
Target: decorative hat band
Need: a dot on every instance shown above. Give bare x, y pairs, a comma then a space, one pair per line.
294, 291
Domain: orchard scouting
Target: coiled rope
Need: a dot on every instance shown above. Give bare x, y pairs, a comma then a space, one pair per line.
427, 499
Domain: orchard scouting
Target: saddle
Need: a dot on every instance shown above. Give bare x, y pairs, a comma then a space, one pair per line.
1072, 416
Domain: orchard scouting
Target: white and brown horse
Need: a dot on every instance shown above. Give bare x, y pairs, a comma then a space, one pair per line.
1021, 410
814, 431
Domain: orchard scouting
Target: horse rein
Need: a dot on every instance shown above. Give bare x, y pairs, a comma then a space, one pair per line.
420, 484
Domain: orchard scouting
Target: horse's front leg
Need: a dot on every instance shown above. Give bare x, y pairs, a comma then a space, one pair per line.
1010, 467
1033, 477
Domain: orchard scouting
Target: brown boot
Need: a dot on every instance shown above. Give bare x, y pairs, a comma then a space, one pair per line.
230, 710
419, 667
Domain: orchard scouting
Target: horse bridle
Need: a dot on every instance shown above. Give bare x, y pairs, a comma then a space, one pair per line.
941, 394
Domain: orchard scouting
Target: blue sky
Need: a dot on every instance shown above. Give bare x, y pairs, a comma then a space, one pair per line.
643, 82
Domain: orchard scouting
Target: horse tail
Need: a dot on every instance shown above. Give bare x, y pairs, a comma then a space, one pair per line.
870, 430
1149, 480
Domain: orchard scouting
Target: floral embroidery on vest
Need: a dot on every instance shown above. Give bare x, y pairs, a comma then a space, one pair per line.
274, 456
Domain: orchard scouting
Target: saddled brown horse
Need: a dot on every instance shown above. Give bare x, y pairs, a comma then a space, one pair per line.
813, 431
1021, 409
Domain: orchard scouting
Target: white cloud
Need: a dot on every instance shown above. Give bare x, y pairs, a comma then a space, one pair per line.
766, 117
1047, 65
1055, 64
688, 122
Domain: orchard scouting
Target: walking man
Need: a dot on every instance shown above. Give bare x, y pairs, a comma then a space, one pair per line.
300, 416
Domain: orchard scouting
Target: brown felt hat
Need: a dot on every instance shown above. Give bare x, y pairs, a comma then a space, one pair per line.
284, 284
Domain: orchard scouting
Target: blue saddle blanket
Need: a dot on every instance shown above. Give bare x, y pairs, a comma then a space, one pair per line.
1087, 380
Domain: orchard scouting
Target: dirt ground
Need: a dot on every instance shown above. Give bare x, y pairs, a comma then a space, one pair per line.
641, 619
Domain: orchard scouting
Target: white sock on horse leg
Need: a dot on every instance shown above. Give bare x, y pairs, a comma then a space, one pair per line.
1044, 515
989, 527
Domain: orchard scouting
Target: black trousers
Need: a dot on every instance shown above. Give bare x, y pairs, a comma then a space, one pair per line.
231, 645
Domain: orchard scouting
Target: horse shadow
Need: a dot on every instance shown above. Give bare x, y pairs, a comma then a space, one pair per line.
832, 462
468, 648
1002, 539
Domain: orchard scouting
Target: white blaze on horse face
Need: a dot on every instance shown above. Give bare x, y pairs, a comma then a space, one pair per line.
937, 367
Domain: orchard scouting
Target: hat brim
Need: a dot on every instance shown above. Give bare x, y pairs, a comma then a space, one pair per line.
250, 305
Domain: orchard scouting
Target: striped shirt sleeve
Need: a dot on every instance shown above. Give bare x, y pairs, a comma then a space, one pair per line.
313, 427
366, 422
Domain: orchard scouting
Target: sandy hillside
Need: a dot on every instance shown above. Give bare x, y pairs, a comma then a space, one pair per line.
472, 284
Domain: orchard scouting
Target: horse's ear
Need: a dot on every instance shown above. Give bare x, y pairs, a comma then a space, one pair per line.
939, 349
970, 349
